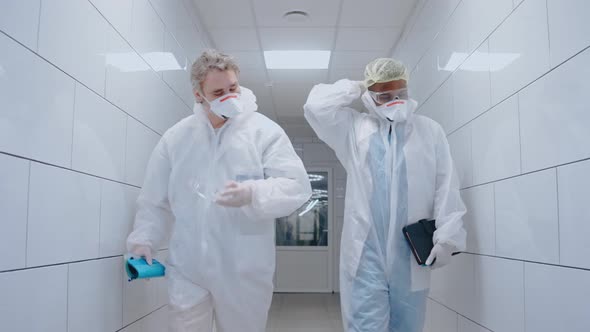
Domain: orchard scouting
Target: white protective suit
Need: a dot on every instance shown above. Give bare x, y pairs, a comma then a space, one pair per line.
397, 174
221, 260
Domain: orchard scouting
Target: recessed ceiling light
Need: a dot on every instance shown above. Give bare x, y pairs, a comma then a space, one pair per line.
296, 16
297, 59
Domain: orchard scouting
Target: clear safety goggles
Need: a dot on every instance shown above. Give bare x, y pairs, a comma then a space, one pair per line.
387, 96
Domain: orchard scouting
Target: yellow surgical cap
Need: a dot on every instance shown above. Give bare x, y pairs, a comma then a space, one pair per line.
385, 70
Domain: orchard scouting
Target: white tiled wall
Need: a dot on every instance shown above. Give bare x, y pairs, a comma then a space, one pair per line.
84, 97
513, 102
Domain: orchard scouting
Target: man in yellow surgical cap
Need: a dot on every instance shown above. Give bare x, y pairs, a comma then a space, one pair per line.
399, 171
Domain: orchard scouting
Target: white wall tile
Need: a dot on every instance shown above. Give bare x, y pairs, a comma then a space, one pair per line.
20, 20
417, 85
526, 133
118, 13
140, 144
569, 33
444, 319
97, 308
483, 17
144, 95
574, 190
433, 16
156, 322
401, 50
519, 49
117, 213
64, 209
139, 299
124, 81
34, 300
556, 298
434, 66
99, 131
186, 27
454, 285
496, 143
460, 145
178, 78
451, 46
471, 87
135, 327
553, 129
480, 219
440, 106
28, 85
14, 176
147, 33
466, 325
516, 2
76, 38
37, 121
526, 217
500, 294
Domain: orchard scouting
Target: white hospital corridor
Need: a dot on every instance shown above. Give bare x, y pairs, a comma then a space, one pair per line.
294, 165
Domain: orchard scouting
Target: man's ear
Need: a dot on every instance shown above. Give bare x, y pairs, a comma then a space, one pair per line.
198, 96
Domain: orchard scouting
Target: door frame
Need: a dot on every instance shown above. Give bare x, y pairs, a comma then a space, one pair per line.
330, 248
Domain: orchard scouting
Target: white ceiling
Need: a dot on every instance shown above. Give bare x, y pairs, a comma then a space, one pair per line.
355, 31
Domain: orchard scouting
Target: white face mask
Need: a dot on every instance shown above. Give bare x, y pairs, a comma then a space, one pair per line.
396, 110
234, 104
227, 106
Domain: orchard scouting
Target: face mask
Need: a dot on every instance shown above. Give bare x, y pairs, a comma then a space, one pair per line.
227, 106
234, 104
395, 110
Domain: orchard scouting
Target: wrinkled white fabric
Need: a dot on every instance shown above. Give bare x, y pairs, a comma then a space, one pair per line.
397, 173
227, 251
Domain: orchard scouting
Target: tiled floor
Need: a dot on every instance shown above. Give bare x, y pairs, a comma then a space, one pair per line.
305, 313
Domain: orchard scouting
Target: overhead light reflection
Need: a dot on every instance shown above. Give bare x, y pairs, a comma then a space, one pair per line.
315, 177
130, 62
309, 207
162, 61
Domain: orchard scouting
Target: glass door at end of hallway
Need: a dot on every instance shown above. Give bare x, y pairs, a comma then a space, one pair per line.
304, 241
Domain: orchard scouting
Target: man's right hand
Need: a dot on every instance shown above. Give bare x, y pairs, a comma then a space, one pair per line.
143, 251
362, 85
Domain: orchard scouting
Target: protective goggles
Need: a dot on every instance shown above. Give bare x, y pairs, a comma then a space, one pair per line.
387, 96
